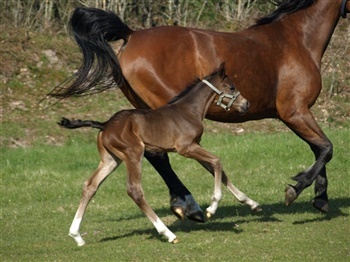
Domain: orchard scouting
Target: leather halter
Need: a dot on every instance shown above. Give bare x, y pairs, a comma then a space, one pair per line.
222, 95
343, 9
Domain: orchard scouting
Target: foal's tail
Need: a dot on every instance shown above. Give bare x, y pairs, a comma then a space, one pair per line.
72, 124
92, 30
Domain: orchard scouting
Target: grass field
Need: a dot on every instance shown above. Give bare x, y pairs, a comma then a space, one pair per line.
41, 187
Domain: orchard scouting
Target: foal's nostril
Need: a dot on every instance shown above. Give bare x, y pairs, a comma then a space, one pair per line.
245, 107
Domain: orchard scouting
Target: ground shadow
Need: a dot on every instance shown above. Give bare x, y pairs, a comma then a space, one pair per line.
240, 214
268, 210
180, 226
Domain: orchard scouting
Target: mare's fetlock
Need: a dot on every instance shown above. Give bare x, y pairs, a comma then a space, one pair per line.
290, 195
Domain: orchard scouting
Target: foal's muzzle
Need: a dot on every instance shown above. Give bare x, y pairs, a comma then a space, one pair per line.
232, 98
222, 96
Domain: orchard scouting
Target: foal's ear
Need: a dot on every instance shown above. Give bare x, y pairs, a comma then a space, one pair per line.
221, 70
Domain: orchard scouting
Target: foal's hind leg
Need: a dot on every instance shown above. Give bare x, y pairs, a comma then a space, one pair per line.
240, 196
106, 166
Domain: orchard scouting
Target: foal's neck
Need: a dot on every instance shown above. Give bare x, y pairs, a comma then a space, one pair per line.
197, 100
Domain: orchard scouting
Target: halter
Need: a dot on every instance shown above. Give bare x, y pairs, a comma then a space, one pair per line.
222, 95
343, 9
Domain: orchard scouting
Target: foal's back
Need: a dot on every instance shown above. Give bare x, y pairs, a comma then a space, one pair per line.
158, 130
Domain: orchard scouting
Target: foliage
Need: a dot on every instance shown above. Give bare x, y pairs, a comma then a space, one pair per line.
42, 14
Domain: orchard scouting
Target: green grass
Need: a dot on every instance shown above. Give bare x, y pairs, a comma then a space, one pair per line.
41, 187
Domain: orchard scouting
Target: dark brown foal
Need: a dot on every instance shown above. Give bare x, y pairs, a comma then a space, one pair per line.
174, 127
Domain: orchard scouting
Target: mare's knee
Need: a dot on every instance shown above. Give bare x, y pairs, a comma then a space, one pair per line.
326, 151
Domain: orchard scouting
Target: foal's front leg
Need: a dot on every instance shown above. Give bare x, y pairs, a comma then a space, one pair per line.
195, 151
134, 190
240, 196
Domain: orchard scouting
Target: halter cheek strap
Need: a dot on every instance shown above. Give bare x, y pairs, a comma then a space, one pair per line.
222, 95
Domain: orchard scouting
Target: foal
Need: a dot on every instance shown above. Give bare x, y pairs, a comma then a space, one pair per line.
174, 127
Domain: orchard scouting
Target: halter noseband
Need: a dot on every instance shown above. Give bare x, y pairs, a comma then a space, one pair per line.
343, 9
222, 95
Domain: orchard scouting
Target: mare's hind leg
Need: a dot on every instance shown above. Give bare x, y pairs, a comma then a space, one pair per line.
134, 190
106, 166
240, 196
302, 122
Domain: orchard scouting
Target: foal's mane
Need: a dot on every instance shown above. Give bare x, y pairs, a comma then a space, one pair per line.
191, 86
284, 7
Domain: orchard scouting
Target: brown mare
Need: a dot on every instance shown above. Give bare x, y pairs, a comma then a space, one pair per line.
174, 127
274, 63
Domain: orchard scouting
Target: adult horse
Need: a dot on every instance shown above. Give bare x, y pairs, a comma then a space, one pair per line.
275, 64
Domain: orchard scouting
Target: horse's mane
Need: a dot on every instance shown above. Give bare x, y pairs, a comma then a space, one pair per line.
284, 7
184, 92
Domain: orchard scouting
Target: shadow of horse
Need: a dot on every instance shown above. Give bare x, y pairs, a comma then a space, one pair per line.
269, 210
244, 216
180, 226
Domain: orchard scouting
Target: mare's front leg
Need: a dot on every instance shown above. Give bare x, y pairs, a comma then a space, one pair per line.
182, 202
240, 196
302, 122
198, 153
106, 166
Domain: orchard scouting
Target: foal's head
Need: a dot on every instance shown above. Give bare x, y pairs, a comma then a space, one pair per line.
229, 96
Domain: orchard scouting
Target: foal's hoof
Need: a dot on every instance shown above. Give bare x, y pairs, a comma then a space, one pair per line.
257, 209
290, 195
209, 215
175, 241
320, 204
78, 239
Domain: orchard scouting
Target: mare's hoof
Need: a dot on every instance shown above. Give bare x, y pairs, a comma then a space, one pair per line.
197, 216
194, 212
290, 195
179, 212
188, 207
320, 204
178, 207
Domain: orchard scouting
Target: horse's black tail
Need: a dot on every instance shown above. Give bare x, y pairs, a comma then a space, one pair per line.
72, 124
92, 30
